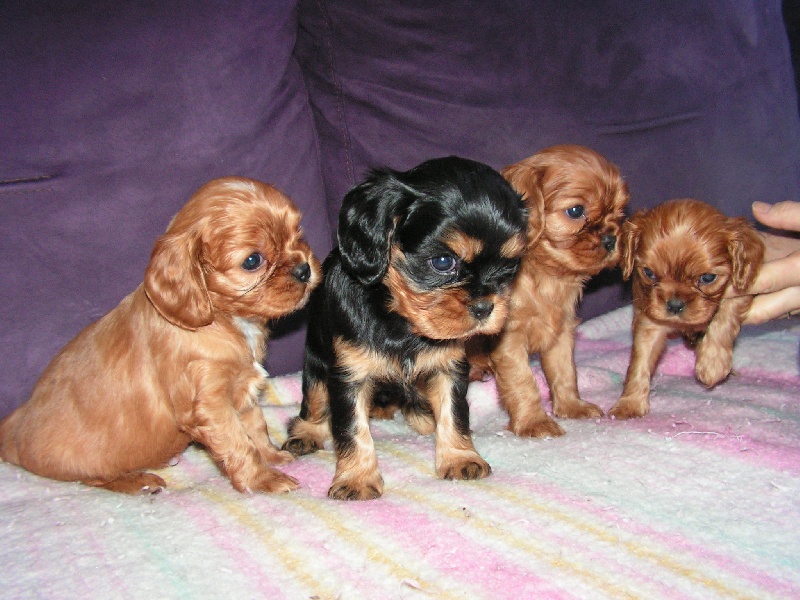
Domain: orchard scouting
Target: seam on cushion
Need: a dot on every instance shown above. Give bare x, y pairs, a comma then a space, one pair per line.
32, 179
337, 90
35, 184
646, 124
308, 114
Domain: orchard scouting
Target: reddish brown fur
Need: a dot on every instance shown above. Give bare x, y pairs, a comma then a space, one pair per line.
680, 241
563, 253
179, 359
442, 313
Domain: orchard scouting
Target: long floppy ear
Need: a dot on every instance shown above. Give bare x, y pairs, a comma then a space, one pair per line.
527, 181
747, 252
175, 284
629, 237
367, 220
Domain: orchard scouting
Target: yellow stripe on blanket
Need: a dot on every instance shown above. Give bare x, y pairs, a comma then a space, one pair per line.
551, 556
659, 558
292, 562
376, 554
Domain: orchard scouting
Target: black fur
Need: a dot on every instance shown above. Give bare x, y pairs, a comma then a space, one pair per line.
411, 211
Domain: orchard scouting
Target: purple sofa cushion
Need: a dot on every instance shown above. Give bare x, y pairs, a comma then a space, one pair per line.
691, 98
112, 114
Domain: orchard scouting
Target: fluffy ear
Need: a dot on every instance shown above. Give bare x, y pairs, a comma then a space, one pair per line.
367, 220
175, 284
629, 240
527, 181
747, 252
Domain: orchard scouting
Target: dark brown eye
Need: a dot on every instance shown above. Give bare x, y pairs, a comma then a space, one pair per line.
443, 264
252, 262
649, 274
707, 278
576, 212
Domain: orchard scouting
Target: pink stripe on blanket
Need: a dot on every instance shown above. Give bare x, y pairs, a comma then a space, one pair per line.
440, 544
225, 536
674, 543
677, 360
447, 551
720, 438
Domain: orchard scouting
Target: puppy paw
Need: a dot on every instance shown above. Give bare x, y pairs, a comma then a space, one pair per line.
383, 412
367, 487
280, 457
305, 437
132, 483
480, 373
712, 368
423, 424
272, 481
300, 446
467, 466
271, 455
538, 428
629, 408
578, 410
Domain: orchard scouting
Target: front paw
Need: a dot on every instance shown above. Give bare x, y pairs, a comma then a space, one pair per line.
279, 457
464, 466
271, 455
300, 446
383, 412
269, 480
132, 483
578, 409
365, 487
543, 427
630, 407
713, 367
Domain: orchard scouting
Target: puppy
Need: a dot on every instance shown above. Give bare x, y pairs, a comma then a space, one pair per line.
575, 200
683, 255
425, 260
179, 359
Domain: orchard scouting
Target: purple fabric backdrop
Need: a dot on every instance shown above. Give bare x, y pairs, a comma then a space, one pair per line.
112, 114
689, 98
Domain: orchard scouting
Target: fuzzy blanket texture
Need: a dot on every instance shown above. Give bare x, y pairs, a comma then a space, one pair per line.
700, 499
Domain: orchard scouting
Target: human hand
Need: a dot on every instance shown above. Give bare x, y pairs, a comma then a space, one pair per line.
777, 287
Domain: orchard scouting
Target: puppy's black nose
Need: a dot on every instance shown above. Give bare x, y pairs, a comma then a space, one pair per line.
675, 306
609, 242
302, 272
481, 309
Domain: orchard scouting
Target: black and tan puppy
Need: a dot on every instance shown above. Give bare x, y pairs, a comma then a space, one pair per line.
425, 260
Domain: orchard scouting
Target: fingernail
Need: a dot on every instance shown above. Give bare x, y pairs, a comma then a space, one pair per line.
761, 207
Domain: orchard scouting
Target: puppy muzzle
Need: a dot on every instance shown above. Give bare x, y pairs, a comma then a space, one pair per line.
302, 272
481, 310
609, 242
675, 306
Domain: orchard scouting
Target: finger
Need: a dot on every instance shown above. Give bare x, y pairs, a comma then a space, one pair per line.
771, 306
778, 245
782, 215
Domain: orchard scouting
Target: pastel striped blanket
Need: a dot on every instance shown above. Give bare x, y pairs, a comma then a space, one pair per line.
700, 499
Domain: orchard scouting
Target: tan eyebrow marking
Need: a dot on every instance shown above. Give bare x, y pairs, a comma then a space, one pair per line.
513, 248
464, 246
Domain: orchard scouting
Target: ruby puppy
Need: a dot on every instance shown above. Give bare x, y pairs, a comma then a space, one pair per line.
575, 200
179, 359
682, 255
